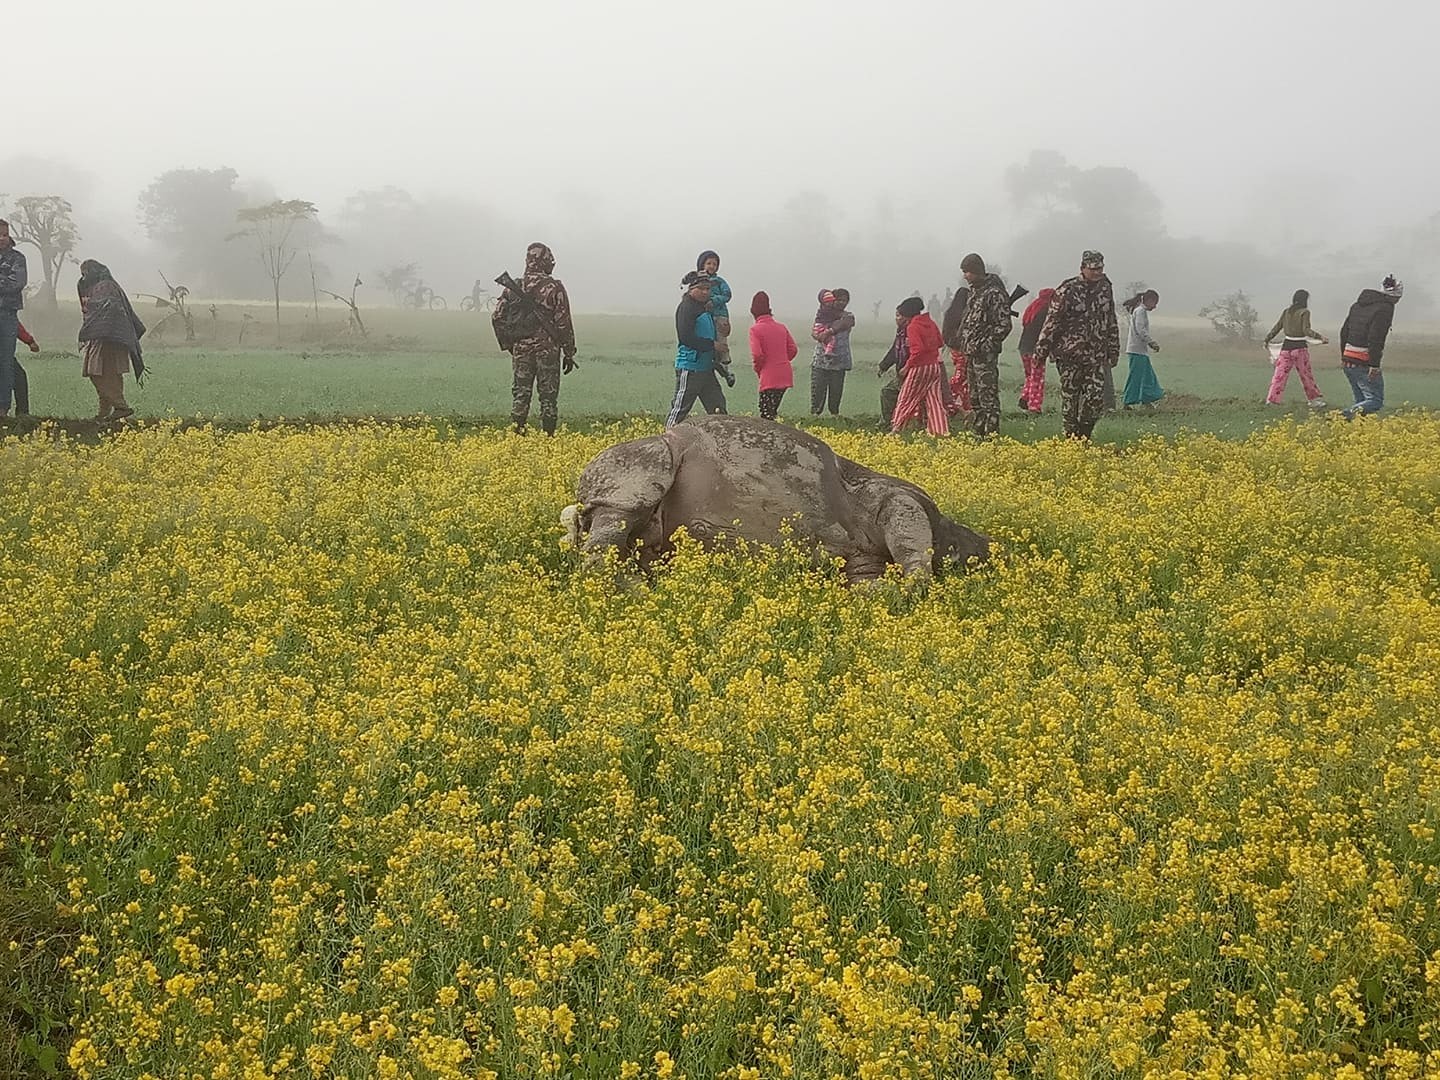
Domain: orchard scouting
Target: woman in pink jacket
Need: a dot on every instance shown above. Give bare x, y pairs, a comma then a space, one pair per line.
771, 350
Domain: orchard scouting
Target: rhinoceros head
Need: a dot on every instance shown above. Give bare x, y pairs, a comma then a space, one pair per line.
957, 547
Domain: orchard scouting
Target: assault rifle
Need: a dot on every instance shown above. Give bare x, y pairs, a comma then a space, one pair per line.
1015, 294
527, 302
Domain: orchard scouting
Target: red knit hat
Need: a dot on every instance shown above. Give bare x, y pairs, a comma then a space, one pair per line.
760, 305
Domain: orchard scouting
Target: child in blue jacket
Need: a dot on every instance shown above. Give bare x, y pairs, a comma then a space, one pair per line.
695, 352
709, 264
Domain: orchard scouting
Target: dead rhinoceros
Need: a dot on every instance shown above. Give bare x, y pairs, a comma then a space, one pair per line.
737, 477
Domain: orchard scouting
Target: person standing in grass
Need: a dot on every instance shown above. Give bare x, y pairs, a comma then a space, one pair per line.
22, 380
110, 334
832, 359
1082, 336
920, 391
13, 279
708, 264
893, 362
1141, 385
1032, 394
695, 353
1362, 341
956, 388
539, 334
983, 329
1294, 323
772, 349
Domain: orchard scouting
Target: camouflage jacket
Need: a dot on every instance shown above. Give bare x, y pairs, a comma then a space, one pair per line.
1080, 327
550, 296
986, 322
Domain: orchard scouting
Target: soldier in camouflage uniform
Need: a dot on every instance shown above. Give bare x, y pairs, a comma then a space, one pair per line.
984, 326
546, 348
1082, 336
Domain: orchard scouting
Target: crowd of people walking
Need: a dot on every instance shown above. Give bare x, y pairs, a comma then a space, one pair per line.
1074, 326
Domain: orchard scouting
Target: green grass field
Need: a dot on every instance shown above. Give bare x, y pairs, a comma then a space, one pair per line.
446, 364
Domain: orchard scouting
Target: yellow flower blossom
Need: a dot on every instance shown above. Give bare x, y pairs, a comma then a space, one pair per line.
361, 774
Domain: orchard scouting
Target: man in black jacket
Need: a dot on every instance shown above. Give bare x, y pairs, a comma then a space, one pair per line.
695, 352
1362, 344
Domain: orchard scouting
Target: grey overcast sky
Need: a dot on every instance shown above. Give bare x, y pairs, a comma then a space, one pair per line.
1320, 111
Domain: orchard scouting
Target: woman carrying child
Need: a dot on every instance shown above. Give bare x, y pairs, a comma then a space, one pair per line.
832, 359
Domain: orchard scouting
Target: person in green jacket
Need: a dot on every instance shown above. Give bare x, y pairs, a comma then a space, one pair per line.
1294, 323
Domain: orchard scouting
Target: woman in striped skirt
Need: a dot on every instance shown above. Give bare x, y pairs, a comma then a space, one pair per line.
921, 389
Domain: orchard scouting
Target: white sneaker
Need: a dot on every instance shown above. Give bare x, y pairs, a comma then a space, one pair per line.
1319, 403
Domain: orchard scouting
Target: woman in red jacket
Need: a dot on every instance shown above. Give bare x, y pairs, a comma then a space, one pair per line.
772, 348
921, 389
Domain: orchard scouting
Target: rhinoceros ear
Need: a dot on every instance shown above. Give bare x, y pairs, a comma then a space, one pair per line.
570, 518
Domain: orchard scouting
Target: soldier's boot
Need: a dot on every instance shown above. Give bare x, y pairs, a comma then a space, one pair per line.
518, 424
548, 423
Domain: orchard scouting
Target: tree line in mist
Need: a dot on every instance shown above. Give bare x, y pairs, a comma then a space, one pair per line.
215, 231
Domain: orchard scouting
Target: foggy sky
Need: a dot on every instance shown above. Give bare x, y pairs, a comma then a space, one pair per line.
1252, 120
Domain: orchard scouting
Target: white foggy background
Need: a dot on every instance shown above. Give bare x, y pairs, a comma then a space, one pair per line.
1286, 144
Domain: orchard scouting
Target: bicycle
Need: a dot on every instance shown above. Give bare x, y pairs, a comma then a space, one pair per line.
423, 297
478, 300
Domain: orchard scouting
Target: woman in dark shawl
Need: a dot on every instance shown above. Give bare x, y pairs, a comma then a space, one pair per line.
109, 338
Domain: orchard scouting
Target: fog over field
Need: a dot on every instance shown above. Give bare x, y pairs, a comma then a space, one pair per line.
1203, 147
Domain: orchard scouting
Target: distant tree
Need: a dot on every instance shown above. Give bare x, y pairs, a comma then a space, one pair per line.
369, 209
44, 223
1233, 316
401, 281
1114, 199
1042, 180
277, 231
190, 213
1104, 198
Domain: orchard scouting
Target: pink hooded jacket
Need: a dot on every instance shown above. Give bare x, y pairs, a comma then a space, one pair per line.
771, 349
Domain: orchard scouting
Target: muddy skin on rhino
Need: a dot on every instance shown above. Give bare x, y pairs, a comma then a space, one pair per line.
735, 477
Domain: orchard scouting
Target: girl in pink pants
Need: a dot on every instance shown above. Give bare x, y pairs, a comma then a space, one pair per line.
1294, 323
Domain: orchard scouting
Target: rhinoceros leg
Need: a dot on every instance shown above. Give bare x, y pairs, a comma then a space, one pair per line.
906, 526
620, 491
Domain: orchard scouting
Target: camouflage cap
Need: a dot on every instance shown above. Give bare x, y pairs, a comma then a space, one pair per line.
1092, 258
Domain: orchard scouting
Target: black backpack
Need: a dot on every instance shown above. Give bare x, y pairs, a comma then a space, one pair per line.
514, 321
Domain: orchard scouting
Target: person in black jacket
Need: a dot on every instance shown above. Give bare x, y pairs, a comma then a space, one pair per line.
12, 298
1362, 345
695, 352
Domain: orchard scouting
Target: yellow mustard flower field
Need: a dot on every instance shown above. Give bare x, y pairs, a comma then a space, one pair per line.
358, 774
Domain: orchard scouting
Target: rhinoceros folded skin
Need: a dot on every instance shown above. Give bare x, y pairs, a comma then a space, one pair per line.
727, 477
